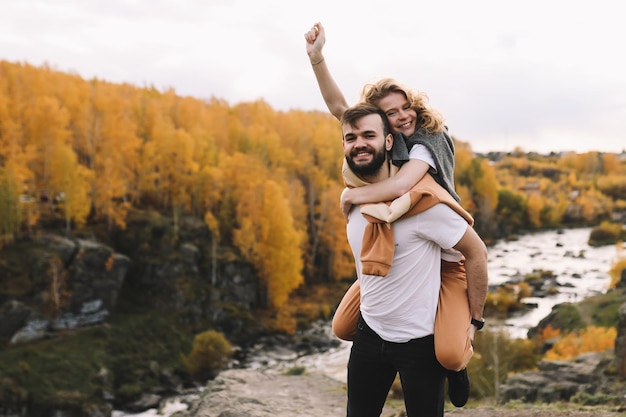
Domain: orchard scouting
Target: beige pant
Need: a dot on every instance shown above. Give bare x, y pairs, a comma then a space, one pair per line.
453, 346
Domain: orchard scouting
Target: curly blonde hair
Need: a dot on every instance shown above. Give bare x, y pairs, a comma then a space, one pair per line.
427, 117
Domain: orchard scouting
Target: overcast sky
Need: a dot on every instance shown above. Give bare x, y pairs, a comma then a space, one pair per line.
543, 75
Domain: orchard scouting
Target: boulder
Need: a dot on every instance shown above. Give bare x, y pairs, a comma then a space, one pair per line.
560, 380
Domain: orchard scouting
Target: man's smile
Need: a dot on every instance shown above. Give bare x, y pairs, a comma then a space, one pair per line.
361, 154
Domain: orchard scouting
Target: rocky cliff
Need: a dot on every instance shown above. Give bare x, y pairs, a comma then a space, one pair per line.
595, 378
91, 323
61, 284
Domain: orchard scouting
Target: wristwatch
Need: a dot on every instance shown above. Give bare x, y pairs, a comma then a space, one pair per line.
478, 323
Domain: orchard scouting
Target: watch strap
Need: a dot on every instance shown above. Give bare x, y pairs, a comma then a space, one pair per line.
478, 323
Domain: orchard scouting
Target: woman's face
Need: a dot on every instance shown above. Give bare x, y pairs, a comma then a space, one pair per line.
401, 116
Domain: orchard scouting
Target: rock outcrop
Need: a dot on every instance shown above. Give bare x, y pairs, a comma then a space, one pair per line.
590, 373
62, 284
241, 392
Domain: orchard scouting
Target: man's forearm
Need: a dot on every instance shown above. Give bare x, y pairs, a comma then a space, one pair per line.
477, 284
475, 252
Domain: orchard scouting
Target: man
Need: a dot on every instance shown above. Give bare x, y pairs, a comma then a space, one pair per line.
395, 331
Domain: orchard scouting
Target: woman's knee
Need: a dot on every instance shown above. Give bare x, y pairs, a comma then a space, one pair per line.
453, 359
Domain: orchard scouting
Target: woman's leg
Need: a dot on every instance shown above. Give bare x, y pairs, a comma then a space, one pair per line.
453, 345
347, 313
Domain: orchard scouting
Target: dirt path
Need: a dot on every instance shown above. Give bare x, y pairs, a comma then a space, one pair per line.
245, 392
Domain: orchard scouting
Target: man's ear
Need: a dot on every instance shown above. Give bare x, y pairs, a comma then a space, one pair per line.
388, 141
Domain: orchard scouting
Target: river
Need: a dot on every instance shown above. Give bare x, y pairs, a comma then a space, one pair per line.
581, 271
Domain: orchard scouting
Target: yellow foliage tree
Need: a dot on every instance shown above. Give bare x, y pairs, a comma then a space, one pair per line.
16, 158
10, 213
45, 128
169, 168
268, 239
339, 256
594, 204
486, 196
611, 164
486, 186
534, 208
613, 185
318, 210
464, 176
71, 181
555, 208
114, 154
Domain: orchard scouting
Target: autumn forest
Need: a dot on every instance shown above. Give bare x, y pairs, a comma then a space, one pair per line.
76, 152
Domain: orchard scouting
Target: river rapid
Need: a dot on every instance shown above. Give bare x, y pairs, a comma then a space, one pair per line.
581, 271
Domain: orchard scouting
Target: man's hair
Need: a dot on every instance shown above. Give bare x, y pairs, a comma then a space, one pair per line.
354, 113
427, 117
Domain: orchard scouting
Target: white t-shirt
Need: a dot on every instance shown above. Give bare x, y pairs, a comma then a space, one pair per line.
402, 305
421, 152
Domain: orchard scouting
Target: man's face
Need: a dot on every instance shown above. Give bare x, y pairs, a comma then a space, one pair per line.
365, 145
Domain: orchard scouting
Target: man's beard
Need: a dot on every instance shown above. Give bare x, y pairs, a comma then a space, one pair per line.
370, 168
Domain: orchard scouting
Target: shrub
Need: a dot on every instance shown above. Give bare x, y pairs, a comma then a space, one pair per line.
496, 355
607, 233
618, 266
566, 317
591, 339
295, 370
129, 392
595, 399
210, 352
507, 299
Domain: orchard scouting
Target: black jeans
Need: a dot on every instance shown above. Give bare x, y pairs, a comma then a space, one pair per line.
373, 366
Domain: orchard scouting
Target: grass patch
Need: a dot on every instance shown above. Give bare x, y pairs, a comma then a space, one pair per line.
117, 358
601, 310
295, 371
47, 368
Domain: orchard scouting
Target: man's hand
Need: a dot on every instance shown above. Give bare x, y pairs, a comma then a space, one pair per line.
472, 332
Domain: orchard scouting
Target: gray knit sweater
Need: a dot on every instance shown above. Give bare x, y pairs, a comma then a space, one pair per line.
440, 146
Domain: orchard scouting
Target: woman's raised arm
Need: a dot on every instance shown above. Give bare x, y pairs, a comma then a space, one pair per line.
333, 97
